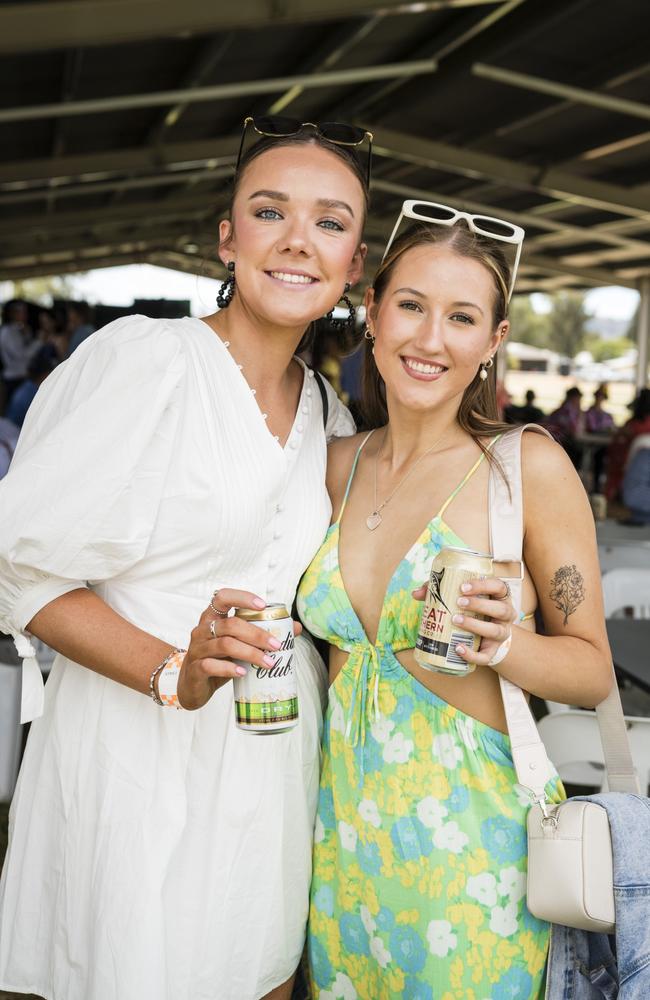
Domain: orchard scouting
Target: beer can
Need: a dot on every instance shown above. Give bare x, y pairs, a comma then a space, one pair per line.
598, 506
438, 637
266, 700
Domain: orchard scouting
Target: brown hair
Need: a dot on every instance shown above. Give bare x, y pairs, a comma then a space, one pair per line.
478, 413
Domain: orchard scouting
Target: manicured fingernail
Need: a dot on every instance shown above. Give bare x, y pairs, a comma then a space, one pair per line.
241, 671
466, 587
269, 660
274, 643
457, 619
460, 649
259, 603
463, 602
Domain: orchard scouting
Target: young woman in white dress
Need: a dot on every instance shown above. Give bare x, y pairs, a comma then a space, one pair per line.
157, 854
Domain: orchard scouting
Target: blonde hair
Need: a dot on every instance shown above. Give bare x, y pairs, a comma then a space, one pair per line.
478, 413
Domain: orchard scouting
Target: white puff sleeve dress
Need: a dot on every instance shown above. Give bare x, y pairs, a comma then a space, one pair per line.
154, 854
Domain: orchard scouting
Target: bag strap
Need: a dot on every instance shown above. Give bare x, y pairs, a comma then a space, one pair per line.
506, 533
323, 395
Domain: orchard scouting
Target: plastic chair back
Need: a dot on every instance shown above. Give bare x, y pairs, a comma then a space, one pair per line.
572, 741
626, 588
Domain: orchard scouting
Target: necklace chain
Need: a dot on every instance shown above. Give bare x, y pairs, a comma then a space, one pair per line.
374, 519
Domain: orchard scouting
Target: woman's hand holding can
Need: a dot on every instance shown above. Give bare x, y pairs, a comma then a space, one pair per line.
489, 597
218, 640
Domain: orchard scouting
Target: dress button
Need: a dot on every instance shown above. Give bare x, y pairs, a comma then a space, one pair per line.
305, 409
292, 445
309, 392
310, 373
300, 428
272, 564
276, 437
276, 535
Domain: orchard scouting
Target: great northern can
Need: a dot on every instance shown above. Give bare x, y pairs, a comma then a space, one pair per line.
266, 701
438, 637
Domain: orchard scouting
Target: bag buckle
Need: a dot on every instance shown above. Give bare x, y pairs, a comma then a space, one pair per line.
549, 819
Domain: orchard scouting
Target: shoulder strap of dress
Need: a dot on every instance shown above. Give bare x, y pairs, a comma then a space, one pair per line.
466, 479
352, 472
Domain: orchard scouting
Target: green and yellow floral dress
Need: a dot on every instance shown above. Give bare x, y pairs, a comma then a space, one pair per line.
419, 878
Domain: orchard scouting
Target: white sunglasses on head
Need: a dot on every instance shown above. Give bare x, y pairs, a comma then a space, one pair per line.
444, 215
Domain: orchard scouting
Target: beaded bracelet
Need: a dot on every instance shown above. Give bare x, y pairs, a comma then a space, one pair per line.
161, 666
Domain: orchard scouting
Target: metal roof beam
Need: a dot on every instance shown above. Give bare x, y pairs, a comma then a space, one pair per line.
590, 275
88, 189
556, 232
54, 243
103, 220
61, 24
213, 152
577, 95
582, 275
491, 36
218, 92
476, 165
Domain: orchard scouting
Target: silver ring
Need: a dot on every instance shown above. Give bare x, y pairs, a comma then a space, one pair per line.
508, 594
221, 614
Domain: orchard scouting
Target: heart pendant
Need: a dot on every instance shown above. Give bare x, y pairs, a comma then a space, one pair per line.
373, 520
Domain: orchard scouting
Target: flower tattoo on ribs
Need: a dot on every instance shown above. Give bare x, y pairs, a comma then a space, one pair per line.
567, 590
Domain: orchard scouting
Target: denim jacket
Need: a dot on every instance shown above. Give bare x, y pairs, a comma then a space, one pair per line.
584, 965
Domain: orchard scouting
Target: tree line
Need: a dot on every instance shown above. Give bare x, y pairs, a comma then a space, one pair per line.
564, 328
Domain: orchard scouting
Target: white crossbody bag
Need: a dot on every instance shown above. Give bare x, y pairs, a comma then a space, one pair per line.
570, 877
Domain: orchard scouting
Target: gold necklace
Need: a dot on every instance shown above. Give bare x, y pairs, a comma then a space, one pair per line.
374, 519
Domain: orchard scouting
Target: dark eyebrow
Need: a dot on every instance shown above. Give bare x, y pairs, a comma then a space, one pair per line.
472, 305
321, 202
332, 203
411, 291
275, 195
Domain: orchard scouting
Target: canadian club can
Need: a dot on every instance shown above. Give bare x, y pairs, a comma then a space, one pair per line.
266, 700
438, 637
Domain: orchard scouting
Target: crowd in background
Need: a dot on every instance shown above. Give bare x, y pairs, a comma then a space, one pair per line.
34, 339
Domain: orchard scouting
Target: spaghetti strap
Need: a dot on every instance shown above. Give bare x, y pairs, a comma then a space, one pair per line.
466, 479
352, 472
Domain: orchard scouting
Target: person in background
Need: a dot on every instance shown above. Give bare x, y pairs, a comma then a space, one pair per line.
8, 442
52, 334
619, 448
40, 366
526, 414
636, 481
599, 421
566, 423
79, 324
16, 345
351, 382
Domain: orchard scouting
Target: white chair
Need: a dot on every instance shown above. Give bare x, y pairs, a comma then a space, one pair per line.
572, 742
626, 588
10, 731
612, 556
